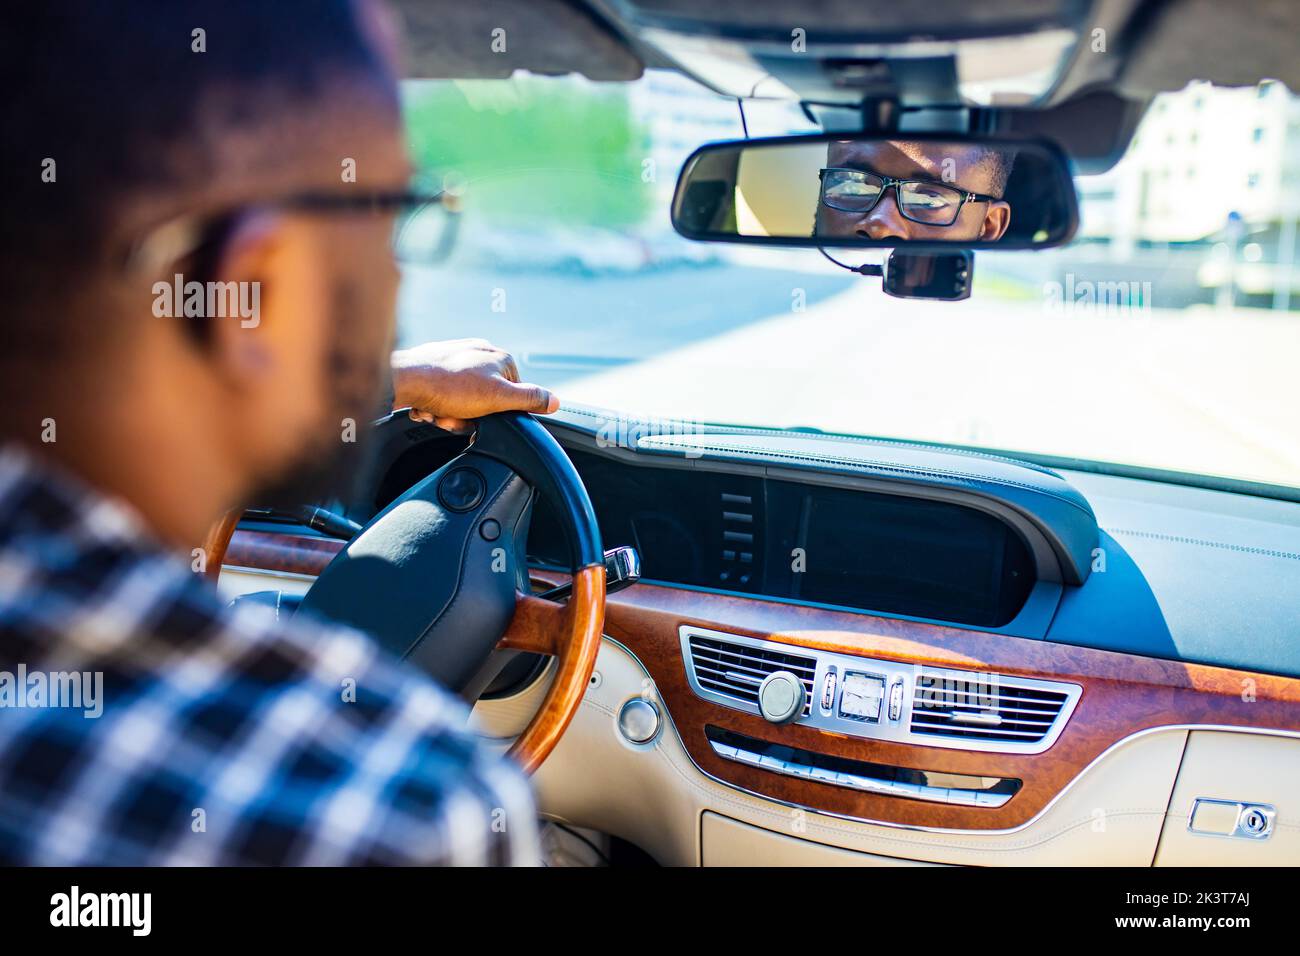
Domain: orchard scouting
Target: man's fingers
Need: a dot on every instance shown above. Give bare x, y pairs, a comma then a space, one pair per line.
457, 426
532, 398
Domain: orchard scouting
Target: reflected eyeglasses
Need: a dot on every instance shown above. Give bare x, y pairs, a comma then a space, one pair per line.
921, 201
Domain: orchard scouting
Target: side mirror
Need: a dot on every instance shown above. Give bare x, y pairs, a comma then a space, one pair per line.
911, 189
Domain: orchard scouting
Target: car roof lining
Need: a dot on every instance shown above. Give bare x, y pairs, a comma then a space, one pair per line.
1151, 45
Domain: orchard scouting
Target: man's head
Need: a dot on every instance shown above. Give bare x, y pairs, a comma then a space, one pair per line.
968, 169
127, 127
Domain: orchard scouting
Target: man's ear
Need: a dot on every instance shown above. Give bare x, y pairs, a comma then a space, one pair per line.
270, 284
996, 220
247, 268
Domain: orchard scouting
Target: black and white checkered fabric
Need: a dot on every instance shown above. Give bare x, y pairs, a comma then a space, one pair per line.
223, 737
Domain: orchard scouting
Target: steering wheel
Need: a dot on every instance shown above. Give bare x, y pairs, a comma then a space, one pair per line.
439, 577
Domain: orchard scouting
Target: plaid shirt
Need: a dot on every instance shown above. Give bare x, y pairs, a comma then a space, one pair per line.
225, 737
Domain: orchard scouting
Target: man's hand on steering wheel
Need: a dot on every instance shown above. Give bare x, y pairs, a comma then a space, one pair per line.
453, 382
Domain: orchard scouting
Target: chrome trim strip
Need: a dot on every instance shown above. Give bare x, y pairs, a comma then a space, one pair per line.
897, 729
262, 572
889, 788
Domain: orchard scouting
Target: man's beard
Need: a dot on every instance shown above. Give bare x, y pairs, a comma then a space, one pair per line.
334, 462
325, 470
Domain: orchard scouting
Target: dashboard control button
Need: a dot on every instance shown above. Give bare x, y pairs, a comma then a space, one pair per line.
490, 529
781, 697
638, 720
896, 699
828, 690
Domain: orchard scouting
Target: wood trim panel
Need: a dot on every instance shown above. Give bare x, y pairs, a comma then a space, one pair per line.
280, 551
1122, 694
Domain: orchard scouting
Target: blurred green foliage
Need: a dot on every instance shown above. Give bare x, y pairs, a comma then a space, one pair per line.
533, 150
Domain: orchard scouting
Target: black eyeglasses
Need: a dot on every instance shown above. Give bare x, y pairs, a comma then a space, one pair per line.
923, 202
418, 233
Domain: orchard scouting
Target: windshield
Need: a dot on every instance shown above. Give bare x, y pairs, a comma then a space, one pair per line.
1166, 336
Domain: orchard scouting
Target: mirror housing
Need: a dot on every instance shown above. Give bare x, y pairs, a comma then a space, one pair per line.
882, 190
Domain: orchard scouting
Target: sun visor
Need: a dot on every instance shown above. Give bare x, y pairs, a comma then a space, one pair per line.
490, 39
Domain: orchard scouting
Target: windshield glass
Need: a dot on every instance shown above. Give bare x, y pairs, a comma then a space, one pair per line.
1166, 336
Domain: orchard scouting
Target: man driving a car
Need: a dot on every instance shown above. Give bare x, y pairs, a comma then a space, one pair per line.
267, 135
914, 191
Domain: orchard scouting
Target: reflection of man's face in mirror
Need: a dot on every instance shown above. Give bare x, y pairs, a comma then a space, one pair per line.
946, 175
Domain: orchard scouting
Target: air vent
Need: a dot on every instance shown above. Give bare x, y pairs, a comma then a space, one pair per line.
736, 570
973, 706
736, 670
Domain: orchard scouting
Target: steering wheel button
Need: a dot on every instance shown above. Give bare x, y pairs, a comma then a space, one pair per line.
461, 489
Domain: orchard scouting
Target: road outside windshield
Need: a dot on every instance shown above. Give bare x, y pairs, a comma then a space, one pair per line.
1166, 336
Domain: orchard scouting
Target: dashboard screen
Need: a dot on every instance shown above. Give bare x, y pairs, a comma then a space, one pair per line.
911, 556
857, 549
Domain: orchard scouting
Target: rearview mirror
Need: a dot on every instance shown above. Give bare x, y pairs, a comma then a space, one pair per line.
870, 191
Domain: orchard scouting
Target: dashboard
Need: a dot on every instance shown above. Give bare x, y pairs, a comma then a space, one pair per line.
908, 636
924, 533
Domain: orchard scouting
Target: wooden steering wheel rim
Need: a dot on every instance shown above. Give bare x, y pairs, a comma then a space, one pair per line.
571, 632
217, 542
